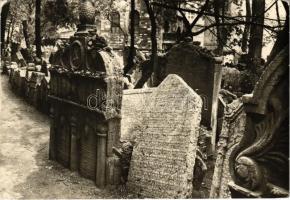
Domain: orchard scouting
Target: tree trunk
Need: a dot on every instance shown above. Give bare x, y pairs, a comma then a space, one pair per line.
154, 48
256, 32
254, 61
218, 6
130, 63
4, 14
8, 32
277, 13
25, 33
282, 37
11, 31
153, 66
38, 28
246, 32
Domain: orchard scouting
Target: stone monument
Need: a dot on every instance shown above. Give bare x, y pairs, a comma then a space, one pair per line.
165, 145
202, 72
85, 94
260, 164
233, 128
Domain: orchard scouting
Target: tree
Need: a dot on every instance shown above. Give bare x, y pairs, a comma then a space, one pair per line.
4, 13
153, 36
25, 33
130, 62
153, 65
247, 27
38, 28
256, 34
282, 36
63, 13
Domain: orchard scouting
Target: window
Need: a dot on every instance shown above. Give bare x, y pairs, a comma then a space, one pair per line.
115, 22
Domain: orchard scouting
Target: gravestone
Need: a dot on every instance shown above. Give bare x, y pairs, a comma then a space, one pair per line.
133, 104
260, 164
85, 97
202, 72
164, 154
233, 128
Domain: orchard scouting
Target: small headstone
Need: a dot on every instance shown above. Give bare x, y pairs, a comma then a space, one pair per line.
164, 153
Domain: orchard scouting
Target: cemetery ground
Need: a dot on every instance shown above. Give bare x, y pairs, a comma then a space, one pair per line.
25, 170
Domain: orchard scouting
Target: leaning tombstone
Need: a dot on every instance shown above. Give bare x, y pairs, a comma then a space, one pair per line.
165, 147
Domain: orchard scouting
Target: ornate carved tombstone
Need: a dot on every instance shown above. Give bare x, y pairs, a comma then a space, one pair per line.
233, 128
85, 99
260, 166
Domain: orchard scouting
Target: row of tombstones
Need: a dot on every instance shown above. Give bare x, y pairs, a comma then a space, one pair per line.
192, 99
30, 84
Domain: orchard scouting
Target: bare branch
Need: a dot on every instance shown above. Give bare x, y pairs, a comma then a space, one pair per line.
204, 7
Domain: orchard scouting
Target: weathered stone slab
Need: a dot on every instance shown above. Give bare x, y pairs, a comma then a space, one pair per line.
133, 104
164, 153
202, 72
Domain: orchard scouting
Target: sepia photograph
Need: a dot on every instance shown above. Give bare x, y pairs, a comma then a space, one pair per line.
144, 99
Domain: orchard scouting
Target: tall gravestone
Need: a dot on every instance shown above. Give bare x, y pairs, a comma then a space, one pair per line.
163, 158
202, 72
85, 94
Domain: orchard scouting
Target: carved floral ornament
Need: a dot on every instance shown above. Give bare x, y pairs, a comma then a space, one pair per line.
260, 169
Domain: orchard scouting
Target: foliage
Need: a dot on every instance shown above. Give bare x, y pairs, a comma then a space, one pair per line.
61, 12
19, 11
231, 79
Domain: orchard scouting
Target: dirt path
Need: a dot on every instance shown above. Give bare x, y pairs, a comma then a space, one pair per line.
25, 171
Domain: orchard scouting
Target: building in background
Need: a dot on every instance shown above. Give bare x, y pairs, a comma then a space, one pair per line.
116, 30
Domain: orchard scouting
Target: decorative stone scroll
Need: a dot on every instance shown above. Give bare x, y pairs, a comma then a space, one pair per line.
165, 147
260, 166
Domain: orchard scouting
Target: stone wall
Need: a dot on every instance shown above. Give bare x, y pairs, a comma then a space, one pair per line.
33, 86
